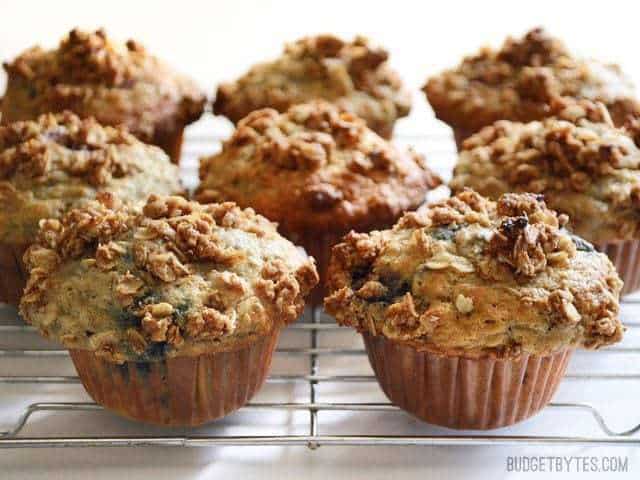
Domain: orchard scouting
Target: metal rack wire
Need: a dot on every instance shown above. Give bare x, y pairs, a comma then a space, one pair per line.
312, 325
12, 436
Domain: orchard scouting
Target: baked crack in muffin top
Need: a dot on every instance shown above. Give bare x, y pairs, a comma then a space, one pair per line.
354, 75
60, 161
174, 279
315, 167
586, 167
92, 75
468, 276
520, 80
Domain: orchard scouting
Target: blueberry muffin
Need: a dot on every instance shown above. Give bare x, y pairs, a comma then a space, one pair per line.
353, 75
170, 313
59, 162
471, 309
316, 171
520, 80
94, 76
584, 166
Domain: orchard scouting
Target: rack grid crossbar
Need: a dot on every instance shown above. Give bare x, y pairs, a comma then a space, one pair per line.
14, 431
12, 438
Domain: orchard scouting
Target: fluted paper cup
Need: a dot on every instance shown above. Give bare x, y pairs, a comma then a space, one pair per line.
460, 135
179, 391
13, 274
625, 256
465, 393
171, 142
318, 246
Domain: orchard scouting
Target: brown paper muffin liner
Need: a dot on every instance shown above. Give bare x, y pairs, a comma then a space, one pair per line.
170, 142
625, 256
318, 245
460, 135
465, 393
180, 391
13, 274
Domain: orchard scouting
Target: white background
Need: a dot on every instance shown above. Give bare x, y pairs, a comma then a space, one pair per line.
218, 40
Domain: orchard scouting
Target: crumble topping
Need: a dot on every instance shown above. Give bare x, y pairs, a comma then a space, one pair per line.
521, 80
175, 278
354, 75
583, 165
93, 75
85, 57
314, 165
59, 161
530, 286
26, 150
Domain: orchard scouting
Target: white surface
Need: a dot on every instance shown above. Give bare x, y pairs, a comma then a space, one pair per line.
214, 41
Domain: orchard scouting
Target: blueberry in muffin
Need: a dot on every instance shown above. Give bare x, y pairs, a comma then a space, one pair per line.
58, 162
170, 313
470, 309
318, 172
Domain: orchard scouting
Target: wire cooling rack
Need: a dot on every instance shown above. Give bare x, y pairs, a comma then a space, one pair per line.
312, 326
321, 390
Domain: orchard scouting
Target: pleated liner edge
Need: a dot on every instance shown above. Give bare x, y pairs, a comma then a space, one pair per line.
463, 393
179, 391
13, 275
625, 256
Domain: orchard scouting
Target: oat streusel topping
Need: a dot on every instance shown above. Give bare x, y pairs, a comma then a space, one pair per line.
177, 278
314, 167
60, 161
354, 75
585, 167
92, 75
473, 277
521, 79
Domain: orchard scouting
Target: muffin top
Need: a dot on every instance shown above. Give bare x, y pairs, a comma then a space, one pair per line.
174, 279
519, 81
315, 167
354, 75
471, 277
94, 76
60, 161
584, 165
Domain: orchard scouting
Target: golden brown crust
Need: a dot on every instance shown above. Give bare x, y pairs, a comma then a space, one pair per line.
60, 161
520, 81
315, 168
176, 279
94, 76
470, 277
583, 165
354, 75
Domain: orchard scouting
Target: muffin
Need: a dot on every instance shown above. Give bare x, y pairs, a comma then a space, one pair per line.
353, 75
519, 82
58, 162
94, 76
584, 166
170, 313
470, 309
318, 172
